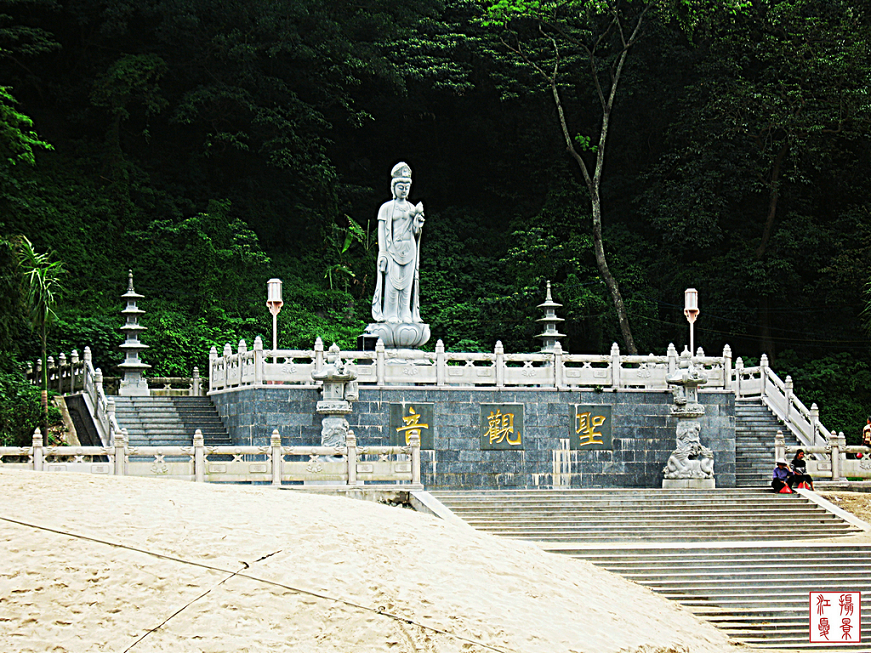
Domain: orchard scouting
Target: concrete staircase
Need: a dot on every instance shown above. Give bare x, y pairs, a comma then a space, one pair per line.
755, 428
611, 515
759, 595
728, 555
169, 421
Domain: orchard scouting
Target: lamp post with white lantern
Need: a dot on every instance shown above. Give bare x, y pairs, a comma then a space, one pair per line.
691, 310
274, 303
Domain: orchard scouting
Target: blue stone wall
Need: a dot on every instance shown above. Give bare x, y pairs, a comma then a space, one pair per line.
643, 432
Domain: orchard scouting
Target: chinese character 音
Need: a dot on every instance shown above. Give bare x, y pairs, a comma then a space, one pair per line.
412, 425
587, 425
501, 427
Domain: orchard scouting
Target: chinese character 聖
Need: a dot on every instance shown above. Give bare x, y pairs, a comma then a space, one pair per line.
500, 426
412, 425
587, 425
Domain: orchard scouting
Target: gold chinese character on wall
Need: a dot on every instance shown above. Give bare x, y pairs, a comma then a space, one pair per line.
407, 419
501, 426
592, 428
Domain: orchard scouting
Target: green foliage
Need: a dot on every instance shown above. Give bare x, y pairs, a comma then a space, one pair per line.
17, 138
840, 384
20, 407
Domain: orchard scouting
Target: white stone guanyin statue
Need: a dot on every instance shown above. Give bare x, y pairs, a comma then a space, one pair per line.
396, 302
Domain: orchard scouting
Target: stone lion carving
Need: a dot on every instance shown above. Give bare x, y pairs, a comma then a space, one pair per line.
691, 459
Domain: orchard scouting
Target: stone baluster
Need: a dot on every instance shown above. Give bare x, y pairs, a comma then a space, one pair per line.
779, 446
788, 394
351, 444
277, 458
763, 373
319, 354
815, 423
74, 365
213, 356
414, 442
739, 373
121, 440
110, 412
38, 451
38, 366
727, 367
700, 353
441, 363
558, 365
259, 360
196, 383
842, 453
98, 382
380, 362
228, 352
615, 366
49, 368
499, 350
672, 358
835, 443
61, 366
199, 457
242, 349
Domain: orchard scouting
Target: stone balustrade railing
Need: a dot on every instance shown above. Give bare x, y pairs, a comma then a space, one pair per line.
66, 375
259, 367
779, 396
350, 466
829, 460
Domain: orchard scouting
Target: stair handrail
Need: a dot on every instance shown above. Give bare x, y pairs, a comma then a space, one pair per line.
100, 406
778, 395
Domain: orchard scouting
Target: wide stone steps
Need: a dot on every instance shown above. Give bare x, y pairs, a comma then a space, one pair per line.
644, 514
755, 429
170, 421
732, 556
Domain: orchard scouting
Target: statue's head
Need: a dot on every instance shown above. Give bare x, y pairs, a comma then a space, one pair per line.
400, 176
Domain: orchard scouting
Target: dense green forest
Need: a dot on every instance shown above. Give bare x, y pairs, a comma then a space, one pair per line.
624, 150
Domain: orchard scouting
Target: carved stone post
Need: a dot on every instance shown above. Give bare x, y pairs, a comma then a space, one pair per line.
499, 351
441, 363
779, 446
213, 356
196, 382
199, 457
727, 367
835, 443
74, 365
691, 465
61, 365
38, 452
615, 366
739, 372
842, 454
337, 394
815, 423
672, 358
380, 362
319, 354
277, 458
788, 394
259, 360
763, 373
351, 443
558, 365
414, 442
121, 453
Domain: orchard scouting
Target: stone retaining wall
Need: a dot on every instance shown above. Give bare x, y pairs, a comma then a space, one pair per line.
643, 433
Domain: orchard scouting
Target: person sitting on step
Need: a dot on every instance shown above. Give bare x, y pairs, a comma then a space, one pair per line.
780, 479
800, 477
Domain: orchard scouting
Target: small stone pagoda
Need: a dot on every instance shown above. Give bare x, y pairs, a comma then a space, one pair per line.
133, 384
550, 335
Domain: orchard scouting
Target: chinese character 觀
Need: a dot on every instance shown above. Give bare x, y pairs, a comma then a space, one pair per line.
500, 427
846, 603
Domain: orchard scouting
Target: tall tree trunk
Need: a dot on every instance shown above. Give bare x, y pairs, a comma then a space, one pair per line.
44, 391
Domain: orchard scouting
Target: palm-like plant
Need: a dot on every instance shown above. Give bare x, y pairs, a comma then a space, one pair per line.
42, 288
